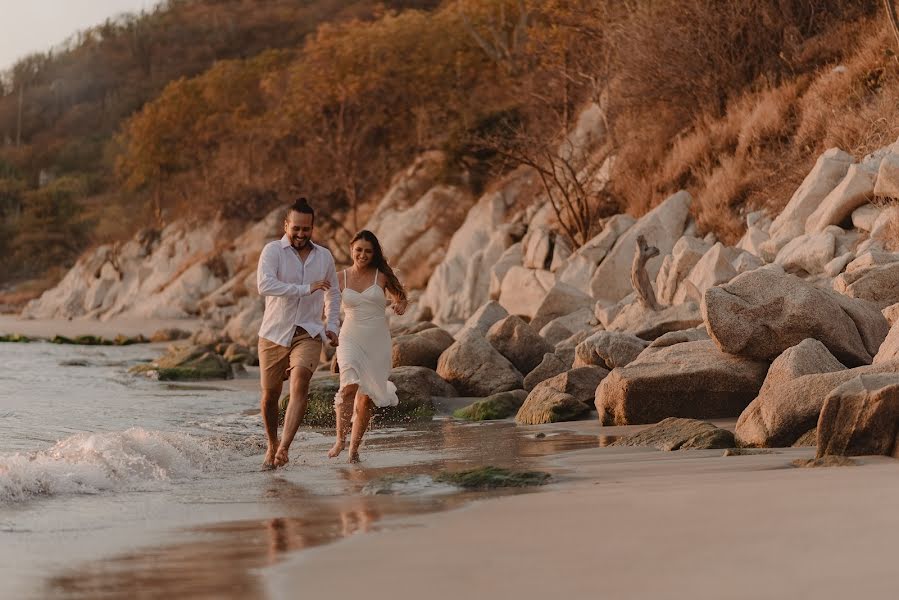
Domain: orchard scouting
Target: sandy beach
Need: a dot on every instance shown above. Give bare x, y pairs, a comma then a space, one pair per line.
46, 328
635, 523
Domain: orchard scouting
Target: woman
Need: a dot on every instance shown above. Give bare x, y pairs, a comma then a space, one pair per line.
364, 351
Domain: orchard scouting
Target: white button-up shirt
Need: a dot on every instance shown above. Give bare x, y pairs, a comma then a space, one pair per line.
284, 281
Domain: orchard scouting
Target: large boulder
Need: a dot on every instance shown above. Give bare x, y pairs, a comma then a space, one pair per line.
807, 254
609, 349
461, 282
564, 327
421, 349
677, 265
889, 349
661, 227
498, 406
523, 290
579, 267
475, 368
649, 324
417, 216
856, 189
712, 269
679, 434
789, 403
518, 342
860, 417
828, 171
878, 284
561, 398
887, 184
188, 362
761, 313
483, 319
693, 380
561, 300
420, 382
550, 366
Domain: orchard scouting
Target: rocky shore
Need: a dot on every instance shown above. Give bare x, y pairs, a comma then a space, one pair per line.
789, 331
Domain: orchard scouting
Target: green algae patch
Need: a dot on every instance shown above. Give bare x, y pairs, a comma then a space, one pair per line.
498, 406
15, 338
95, 340
320, 406
489, 478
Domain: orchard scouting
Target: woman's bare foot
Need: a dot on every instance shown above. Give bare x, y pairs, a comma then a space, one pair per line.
336, 449
354, 457
281, 457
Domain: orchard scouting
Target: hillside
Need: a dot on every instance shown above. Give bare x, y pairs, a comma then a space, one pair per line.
232, 109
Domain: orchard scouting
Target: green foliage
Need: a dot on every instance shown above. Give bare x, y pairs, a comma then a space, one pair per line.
48, 231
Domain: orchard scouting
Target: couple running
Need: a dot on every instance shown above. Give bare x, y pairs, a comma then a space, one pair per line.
297, 278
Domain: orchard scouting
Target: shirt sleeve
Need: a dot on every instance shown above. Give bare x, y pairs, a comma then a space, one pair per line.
267, 276
332, 298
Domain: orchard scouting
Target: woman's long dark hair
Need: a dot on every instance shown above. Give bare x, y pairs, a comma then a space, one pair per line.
393, 283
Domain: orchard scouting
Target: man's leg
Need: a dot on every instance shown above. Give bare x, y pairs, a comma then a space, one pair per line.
269, 409
272, 364
343, 406
296, 408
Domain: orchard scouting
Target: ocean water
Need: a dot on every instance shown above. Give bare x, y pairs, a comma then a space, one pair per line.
112, 484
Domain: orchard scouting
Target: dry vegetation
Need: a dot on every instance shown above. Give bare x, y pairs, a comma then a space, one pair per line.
730, 99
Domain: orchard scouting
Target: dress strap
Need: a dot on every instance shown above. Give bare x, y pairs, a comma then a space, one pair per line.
344, 279
376, 277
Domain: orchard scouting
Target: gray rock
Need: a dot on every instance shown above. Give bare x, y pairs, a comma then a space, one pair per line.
679, 434
763, 312
692, 380
518, 342
608, 349
550, 366
860, 417
475, 368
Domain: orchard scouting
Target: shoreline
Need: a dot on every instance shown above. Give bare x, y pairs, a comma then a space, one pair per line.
131, 326
634, 523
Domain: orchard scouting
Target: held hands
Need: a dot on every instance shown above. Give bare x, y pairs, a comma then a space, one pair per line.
324, 285
332, 337
399, 307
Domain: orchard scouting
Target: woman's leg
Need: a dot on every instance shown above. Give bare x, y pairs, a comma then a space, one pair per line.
343, 407
362, 410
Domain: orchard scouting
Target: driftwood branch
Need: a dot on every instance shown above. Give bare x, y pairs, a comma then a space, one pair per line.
640, 278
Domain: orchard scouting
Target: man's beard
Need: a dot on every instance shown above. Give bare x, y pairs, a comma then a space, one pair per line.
299, 245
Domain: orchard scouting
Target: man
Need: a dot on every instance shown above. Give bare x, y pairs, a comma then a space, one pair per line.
295, 276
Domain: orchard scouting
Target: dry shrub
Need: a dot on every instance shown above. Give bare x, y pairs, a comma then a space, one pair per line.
724, 188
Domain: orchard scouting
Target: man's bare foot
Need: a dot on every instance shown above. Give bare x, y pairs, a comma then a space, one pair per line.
281, 457
336, 449
269, 463
354, 457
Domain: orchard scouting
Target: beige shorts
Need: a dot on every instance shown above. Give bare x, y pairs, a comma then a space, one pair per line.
275, 361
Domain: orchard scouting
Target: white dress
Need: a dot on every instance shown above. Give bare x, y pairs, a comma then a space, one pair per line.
364, 352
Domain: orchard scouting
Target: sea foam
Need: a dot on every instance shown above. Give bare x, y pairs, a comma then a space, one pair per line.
132, 460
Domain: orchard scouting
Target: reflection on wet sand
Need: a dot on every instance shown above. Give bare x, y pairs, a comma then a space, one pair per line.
221, 560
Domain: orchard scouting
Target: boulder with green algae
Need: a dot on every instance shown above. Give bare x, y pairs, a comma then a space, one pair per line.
412, 406
680, 434
498, 406
95, 340
487, 478
15, 338
187, 363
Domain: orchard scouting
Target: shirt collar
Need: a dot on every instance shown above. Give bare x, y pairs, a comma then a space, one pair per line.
285, 242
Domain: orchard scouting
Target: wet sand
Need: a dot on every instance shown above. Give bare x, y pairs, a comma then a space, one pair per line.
635, 523
47, 328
